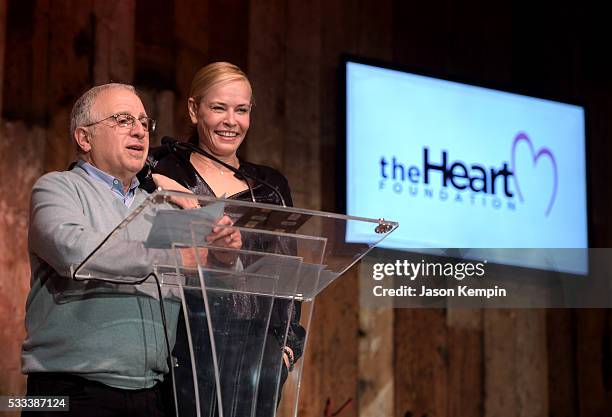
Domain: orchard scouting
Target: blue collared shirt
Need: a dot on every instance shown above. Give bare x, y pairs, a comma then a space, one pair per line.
114, 184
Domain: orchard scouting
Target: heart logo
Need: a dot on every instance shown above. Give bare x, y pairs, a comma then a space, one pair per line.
542, 152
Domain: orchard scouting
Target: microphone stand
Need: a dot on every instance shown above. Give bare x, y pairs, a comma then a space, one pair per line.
174, 144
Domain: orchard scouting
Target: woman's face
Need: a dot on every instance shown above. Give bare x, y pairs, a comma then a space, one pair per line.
222, 117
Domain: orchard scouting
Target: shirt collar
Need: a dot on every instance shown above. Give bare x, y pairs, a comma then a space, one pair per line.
113, 183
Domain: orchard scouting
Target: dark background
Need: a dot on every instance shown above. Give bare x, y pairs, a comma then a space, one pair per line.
401, 363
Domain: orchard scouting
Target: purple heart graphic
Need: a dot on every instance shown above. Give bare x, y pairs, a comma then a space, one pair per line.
521, 136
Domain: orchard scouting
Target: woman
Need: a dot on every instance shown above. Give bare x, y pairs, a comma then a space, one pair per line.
219, 105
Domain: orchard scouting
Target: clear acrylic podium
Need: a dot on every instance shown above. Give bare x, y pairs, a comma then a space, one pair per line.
230, 312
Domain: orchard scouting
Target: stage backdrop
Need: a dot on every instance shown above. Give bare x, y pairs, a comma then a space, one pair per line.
400, 363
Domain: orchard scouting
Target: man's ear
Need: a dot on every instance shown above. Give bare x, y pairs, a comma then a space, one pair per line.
192, 106
82, 137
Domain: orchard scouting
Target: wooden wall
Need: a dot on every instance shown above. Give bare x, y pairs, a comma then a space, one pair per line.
401, 363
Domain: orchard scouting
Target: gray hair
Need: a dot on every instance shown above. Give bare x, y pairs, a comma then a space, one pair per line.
82, 110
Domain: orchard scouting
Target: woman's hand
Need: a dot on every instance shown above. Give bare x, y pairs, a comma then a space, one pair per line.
288, 358
225, 237
168, 184
220, 237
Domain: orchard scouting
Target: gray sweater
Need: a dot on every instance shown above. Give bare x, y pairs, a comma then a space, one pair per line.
104, 332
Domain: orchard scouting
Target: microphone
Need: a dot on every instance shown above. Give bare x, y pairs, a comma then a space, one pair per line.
174, 144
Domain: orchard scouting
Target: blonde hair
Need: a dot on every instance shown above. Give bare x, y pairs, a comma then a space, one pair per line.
214, 74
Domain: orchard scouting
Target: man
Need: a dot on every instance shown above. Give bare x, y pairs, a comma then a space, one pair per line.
105, 350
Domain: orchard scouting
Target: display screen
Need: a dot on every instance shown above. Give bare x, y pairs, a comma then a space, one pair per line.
461, 166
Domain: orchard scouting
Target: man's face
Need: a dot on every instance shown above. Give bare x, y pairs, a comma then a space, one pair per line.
118, 151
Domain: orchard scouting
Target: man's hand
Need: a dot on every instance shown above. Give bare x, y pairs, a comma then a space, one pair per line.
192, 257
168, 184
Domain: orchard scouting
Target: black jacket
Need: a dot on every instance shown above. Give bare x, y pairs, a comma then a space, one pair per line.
175, 164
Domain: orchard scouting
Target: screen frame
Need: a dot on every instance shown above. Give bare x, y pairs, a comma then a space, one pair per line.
341, 154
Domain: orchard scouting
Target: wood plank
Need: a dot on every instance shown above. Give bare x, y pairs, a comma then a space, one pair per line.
332, 352
191, 31
421, 357
593, 353
22, 148
340, 33
500, 355
562, 373
516, 371
75, 18
21, 162
18, 64
156, 58
532, 367
266, 70
2, 47
420, 35
160, 106
302, 94
480, 48
374, 31
41, 59
157, 39
548, 49
230, 44
114, 41
465, 364
376, 362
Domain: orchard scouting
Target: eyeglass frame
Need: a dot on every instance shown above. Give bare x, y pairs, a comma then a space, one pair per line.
151, 122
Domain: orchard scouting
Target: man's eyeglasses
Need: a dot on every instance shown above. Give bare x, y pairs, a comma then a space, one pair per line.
128, 121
